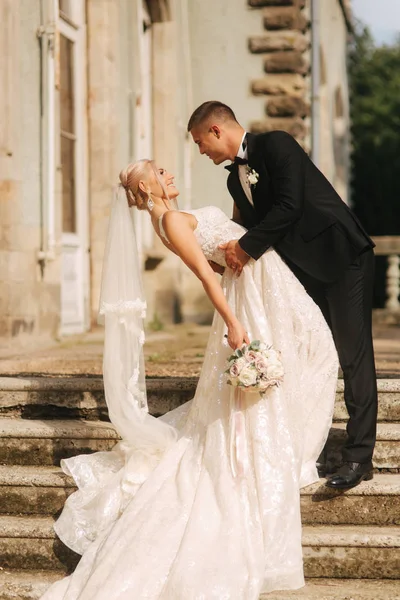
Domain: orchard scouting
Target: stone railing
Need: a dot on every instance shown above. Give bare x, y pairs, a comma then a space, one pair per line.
390, 246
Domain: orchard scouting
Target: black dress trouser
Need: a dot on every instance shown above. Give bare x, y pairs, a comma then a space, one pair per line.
347, 307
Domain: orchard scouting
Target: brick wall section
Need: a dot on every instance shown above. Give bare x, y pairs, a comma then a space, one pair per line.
284, 48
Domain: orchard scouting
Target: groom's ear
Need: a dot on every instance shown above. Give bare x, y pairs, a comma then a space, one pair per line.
215, 130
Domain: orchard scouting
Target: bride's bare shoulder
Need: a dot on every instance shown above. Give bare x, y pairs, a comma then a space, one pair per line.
176, 219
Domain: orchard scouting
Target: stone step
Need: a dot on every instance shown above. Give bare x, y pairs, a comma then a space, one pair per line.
331, 552
387, 449
25, 585
348, 551
375, 502
33, 490
83, 397
28, 442
341, 589
31, 442
37, 490
30, 585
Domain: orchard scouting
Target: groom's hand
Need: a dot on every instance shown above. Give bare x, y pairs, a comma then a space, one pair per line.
235, 256
216, 267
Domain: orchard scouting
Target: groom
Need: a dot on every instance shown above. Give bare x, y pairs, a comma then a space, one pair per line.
286, 202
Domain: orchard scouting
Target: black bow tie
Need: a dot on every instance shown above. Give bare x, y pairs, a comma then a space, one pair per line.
237, 161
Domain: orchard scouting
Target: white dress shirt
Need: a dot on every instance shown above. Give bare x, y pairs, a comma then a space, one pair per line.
242, 171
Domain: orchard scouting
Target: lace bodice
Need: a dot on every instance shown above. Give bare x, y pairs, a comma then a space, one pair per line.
214, 227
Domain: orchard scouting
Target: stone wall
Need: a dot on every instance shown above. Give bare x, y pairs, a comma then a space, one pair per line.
29, 292
285, 51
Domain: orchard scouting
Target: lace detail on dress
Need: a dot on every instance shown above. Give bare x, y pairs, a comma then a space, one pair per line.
214, 228
124, 307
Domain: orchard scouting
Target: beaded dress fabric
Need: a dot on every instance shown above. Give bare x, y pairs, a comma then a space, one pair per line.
181, 524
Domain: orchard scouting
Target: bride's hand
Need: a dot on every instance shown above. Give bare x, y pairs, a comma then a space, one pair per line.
237, 335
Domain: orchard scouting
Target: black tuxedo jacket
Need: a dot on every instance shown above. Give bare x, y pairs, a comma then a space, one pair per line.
296, 210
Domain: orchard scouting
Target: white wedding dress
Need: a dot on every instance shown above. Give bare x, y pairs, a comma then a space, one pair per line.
201, 520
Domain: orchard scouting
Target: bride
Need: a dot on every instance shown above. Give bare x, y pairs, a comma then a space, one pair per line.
204, 502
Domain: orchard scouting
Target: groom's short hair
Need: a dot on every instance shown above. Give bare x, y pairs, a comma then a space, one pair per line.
211, 110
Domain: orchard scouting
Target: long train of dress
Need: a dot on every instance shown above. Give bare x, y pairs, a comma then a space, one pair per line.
182, 525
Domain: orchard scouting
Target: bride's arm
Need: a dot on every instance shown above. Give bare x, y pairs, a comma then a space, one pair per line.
182, 239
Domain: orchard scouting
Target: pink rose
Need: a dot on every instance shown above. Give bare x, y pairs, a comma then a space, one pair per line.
237, 366
251, 356
261, 364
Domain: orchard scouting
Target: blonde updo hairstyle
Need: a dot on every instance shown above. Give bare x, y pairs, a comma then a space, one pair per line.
132, 175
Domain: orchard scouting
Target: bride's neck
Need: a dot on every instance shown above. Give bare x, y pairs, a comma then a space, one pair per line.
158, 209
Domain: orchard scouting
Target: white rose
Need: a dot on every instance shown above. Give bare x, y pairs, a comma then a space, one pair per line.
264, 384
252, 179
248, 376
237, 366
275, 371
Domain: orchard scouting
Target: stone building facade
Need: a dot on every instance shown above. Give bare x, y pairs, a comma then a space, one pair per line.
90, 85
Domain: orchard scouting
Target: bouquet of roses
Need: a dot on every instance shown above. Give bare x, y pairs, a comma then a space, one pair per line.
254, 367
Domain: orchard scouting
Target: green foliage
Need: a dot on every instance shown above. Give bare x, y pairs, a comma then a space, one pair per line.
375, 112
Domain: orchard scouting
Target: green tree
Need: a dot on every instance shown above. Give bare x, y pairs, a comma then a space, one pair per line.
375, 112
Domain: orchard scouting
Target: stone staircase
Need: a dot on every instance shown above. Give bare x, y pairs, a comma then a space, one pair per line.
351, 540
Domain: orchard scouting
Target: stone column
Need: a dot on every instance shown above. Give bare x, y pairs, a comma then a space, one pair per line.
10, 157
103, 81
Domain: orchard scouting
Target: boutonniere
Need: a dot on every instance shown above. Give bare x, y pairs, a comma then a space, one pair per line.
252, 176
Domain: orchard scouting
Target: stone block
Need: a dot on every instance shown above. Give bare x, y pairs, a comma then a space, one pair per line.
286, 62
287, 106
285, 17
295, 126
276, 41
292, 84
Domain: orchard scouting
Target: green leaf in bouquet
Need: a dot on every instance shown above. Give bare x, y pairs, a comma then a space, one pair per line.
238, 353
255, 345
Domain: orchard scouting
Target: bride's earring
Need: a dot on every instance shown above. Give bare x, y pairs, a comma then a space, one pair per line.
150, 203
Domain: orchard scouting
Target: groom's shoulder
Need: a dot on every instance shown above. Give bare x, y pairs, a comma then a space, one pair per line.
276, 137
276, 141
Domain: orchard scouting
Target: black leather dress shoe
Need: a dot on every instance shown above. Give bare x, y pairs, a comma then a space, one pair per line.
349, 475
